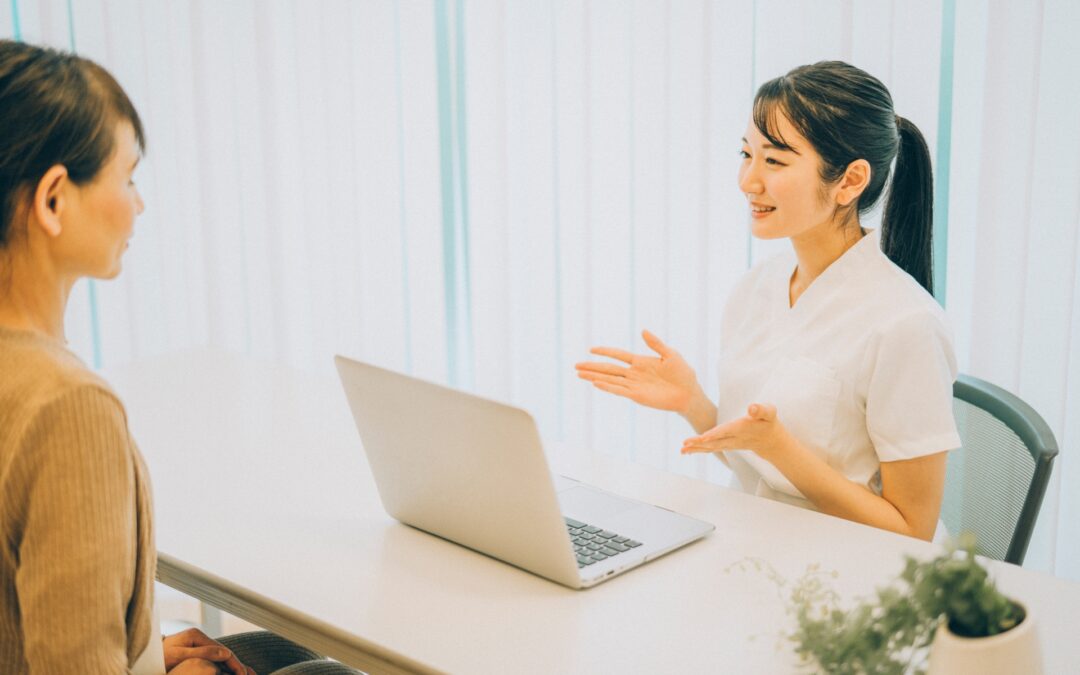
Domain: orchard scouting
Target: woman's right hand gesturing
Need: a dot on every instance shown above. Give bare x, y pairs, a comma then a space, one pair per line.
666, 382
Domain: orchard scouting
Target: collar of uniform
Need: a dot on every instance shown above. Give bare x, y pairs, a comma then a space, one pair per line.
862, 253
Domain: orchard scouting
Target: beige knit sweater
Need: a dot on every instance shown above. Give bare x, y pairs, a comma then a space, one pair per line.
77, 554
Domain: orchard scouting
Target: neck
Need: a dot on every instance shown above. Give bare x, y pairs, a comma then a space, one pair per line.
33, 296
817, 249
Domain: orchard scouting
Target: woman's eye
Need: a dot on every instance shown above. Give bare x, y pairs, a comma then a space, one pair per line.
770, 160
744, 154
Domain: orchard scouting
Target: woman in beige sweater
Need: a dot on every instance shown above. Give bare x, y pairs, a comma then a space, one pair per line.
77, 556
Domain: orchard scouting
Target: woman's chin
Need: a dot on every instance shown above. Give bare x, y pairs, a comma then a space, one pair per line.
762, 229
117, 264
110, 273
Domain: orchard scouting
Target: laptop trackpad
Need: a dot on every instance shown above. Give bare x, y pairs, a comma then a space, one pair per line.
584, 503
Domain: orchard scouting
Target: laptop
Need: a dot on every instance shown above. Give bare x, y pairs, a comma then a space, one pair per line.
473, 471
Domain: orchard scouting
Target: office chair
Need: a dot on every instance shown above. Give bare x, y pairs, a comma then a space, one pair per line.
995, 483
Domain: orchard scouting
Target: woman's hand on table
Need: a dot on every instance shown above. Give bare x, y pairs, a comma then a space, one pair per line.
758, 430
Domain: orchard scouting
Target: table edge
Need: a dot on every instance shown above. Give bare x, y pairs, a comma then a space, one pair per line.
309, 631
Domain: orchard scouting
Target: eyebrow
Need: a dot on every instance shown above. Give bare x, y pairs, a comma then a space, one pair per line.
770, 146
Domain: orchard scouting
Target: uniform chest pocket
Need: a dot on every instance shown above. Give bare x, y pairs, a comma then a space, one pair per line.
806, 394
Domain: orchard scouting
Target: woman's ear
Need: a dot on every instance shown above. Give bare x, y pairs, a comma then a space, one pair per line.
50, 199
855, 179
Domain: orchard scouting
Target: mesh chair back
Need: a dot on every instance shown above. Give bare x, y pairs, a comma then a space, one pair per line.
995, 483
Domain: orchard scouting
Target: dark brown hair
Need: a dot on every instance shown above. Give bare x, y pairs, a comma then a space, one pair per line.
847, 114
55, 108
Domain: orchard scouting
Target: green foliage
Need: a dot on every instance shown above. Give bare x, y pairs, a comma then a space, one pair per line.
959, 588
890, 633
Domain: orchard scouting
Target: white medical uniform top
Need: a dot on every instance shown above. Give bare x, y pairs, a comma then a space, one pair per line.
860, 369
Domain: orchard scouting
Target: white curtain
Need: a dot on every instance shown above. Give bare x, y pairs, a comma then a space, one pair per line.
1013, 285
476, 191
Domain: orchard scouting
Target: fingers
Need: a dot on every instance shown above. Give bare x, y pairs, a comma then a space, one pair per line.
619, 354
744, 433
691, 446
698, 449
194, 645
612, 384
233, 664
695, 440
597, 367
206, 652
714, 440
762, 411
195, 667
192, 637
719, 432
616, 389
655, 344
606, 376
599, 377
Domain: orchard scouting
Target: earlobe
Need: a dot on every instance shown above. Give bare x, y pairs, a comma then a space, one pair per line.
50, 200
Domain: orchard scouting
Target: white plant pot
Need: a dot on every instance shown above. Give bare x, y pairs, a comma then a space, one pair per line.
1014, 651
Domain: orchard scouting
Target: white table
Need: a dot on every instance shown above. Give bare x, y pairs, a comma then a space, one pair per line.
266, 508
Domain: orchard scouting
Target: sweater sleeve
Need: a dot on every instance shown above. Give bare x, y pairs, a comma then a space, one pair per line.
77, 555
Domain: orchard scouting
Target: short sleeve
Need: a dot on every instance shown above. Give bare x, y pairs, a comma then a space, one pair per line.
909, 402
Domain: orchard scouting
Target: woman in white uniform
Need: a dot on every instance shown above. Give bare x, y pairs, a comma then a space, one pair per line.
836, 365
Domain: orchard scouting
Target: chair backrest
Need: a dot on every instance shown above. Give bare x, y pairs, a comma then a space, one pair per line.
995, 483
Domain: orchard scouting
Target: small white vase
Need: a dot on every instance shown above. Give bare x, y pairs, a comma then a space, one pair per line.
1014, 651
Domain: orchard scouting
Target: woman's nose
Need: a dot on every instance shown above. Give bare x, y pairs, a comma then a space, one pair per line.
749, 179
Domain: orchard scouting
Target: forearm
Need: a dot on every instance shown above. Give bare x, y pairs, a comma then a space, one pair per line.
833, 493
700, 413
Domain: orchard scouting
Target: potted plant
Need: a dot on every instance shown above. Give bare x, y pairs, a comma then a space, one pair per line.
981, 631
947, 606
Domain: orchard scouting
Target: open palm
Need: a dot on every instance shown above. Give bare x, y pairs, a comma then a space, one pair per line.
665, 381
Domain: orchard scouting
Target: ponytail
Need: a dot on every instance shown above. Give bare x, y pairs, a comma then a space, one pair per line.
907, 225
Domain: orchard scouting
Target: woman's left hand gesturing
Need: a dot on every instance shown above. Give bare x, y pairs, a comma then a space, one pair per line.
759, 431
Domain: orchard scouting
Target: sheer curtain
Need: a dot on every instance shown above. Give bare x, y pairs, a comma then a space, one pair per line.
477, 191
1013, 285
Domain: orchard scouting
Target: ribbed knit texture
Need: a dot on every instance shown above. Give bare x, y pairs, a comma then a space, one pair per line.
270, 654
77, 554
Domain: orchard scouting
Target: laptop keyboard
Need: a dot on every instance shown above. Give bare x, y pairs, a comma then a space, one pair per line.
593, 544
